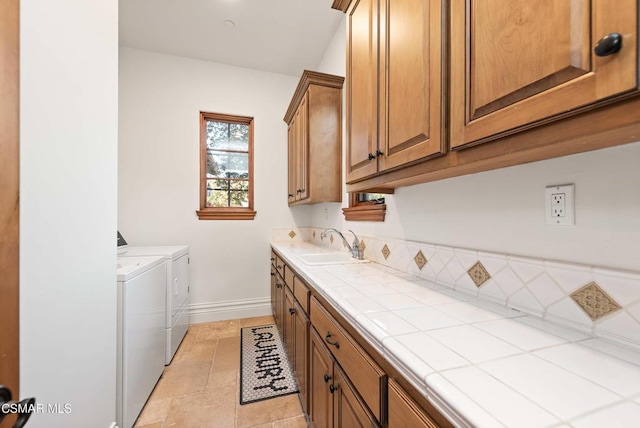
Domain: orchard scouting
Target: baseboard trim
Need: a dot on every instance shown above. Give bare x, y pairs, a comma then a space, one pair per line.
231, 309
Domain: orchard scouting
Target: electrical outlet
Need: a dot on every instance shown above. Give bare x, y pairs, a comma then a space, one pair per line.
559, 205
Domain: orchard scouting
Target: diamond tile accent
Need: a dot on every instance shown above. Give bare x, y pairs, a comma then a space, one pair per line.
478, 274
386, 251
292, 234
594, 301
420, 260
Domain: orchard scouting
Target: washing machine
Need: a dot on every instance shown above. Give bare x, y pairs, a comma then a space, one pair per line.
177, 289
141, 333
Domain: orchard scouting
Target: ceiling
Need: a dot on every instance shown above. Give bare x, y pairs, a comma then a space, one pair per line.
281, 36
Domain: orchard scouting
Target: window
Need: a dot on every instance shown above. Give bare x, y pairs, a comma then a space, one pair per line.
366, 207
226, 167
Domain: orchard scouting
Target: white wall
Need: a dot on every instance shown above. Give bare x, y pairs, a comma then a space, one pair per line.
503, 210
160, 100
68, 173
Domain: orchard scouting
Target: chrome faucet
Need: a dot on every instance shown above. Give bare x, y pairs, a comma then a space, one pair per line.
354, 249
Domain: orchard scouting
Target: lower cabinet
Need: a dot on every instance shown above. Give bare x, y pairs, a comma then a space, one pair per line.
333, 401
341, 385
403, 411
320, 378
295, 333
278, 295
301, 352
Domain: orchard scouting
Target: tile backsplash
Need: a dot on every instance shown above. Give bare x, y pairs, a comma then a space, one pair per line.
602, 302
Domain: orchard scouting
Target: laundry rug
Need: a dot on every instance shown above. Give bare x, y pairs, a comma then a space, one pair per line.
264, 368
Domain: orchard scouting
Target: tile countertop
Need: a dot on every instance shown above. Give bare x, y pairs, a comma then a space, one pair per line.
480, 364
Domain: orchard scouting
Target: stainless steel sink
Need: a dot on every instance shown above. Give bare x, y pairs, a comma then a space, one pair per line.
318, 259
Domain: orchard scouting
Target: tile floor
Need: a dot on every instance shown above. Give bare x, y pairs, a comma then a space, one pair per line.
200, 388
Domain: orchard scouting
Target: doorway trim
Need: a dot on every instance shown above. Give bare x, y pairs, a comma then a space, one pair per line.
9, 196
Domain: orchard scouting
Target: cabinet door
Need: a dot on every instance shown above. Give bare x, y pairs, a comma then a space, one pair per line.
362, 89
404, 412
274, 295
303, 148
300, 352
349, 412
411, 72
320, 377
525, 62
289, 323
279, 302
292, 162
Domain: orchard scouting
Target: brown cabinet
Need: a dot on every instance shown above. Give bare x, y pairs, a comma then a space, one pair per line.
320, 376
301, 351
333, 401
404, 412
314, 120
341, 384
367, 377
525, 77
294, 325
277, 291
395, 112
533, 60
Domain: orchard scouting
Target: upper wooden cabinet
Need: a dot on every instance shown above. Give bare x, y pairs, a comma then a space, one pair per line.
394, 84
314, 120
521, 77
518, 64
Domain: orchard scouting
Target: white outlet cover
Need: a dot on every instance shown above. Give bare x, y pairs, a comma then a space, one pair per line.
569, 218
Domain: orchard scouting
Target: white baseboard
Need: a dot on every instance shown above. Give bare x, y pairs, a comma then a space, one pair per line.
232, 309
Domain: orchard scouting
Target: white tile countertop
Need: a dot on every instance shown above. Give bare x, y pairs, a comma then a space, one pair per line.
480, 364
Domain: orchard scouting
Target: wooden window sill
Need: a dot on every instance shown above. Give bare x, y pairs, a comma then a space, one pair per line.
365, 212
226, 214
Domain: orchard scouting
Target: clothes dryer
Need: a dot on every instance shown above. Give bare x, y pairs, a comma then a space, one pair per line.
141, 333
177, 289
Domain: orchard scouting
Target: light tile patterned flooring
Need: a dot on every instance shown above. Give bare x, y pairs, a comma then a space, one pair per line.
200, 388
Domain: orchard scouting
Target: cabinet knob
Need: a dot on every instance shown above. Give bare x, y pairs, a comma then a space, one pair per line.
327, 378
292, 311
299, 191
273, 274
333, 388
371, 156
379, 153
609, 44
278, 285
290, 195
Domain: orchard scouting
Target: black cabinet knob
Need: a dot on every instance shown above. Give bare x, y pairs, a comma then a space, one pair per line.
371, 156
327, 378
292, 311
379, 153
609, 44
333, 388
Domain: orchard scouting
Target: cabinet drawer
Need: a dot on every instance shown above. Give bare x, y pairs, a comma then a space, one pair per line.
404, 412
288, 276
301, 291
367, 377
280, 266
